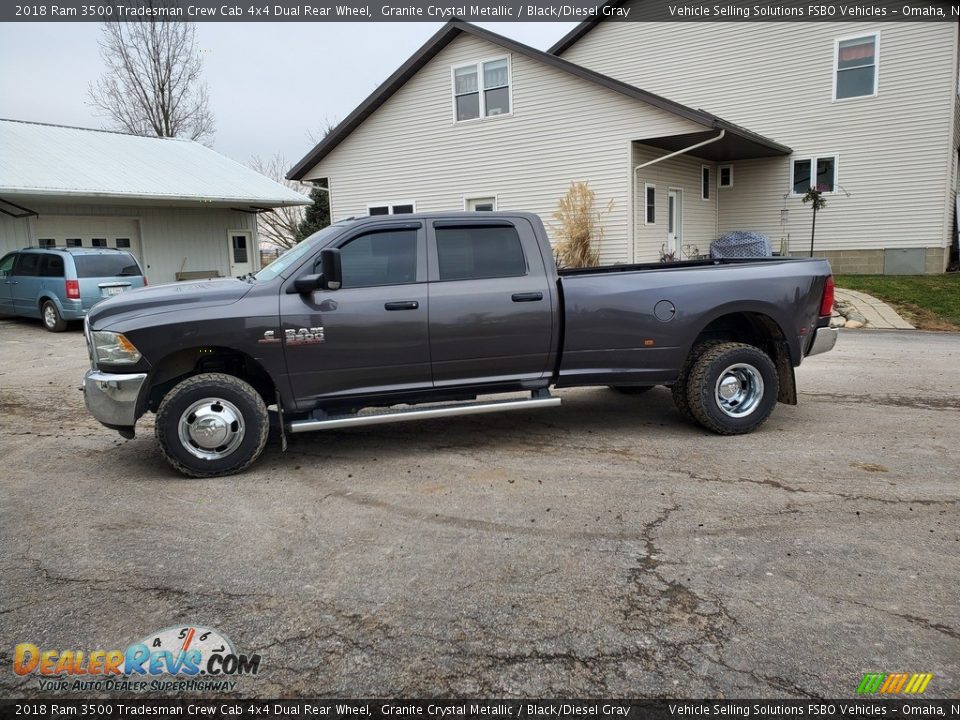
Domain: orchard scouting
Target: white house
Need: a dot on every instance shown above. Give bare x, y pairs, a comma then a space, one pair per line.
181, 208
474, 120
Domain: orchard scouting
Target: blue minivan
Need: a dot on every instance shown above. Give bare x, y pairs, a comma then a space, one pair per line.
62, 284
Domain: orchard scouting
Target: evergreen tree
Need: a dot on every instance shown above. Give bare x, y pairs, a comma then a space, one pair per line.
317, 216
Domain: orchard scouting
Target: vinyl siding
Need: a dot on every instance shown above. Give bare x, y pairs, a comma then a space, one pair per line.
777, 79
562, 129
168, 235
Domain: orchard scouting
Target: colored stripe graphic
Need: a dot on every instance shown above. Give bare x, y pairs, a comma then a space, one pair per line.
894, 683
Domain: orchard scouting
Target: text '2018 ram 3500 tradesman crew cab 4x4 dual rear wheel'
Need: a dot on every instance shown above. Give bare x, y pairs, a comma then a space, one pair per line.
429, 312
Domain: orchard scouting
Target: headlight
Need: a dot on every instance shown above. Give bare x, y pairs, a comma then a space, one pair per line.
113, 348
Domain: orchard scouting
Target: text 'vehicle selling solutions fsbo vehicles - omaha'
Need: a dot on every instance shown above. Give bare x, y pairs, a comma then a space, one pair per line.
401, 317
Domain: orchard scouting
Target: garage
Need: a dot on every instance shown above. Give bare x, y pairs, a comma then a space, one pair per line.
182, 209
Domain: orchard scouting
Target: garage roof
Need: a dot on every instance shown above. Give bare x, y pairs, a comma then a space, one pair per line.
58, 161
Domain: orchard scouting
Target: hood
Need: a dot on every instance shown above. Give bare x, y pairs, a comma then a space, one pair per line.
171, 297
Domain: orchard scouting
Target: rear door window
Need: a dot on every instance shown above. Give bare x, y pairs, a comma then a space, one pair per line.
28, 264
472, 253
106, 265
52, 266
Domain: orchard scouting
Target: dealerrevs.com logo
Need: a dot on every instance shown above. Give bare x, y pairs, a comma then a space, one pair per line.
191, 658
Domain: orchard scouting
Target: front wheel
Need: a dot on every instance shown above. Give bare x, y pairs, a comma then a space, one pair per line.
212, 424
732, 388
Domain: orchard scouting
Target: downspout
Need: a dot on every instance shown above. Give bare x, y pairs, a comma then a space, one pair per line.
681, 152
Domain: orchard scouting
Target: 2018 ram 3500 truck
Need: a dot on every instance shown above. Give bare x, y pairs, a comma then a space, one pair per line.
430, 311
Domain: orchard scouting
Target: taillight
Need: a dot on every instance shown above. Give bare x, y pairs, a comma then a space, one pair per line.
73, 289
826, 303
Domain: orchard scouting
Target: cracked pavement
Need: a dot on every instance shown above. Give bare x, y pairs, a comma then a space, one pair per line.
603, 548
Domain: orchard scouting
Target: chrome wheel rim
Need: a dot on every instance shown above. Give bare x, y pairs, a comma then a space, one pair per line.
739, 390
49, 315
211, 428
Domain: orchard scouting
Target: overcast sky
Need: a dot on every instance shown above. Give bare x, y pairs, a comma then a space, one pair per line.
270, 83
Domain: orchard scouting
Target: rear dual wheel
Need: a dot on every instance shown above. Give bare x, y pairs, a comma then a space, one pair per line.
731, 388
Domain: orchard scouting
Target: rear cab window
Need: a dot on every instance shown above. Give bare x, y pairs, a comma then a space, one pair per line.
106, 265
475, 252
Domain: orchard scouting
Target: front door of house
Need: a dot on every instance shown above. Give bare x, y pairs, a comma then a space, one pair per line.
675, 222
241, 254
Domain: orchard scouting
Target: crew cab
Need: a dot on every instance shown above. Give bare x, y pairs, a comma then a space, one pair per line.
401, 317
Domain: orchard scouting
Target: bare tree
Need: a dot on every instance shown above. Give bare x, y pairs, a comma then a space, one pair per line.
280, 226
153, 83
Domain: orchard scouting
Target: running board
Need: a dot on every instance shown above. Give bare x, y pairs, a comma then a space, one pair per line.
435, 411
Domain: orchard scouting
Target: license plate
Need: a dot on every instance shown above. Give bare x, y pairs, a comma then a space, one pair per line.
114, 290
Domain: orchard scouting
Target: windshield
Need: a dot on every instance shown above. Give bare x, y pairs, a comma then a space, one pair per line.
294, 255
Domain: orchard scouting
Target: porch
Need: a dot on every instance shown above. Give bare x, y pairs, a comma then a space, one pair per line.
689, 189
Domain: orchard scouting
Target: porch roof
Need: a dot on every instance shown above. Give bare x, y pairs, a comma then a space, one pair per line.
738, 143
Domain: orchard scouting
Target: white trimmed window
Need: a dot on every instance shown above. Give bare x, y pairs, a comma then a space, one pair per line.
403, 207
705, 182
856, 61
480, 204
649, 204
725, 176
819, 171
482, 89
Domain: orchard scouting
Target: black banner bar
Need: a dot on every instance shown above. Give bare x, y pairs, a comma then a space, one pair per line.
480, 708
490, 10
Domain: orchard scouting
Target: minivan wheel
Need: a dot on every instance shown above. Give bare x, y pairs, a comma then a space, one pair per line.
51, 317
212, 424
732, 388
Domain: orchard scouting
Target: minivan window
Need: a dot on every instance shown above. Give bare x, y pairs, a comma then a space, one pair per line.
28, 264
470, 253
52, 266
106, 265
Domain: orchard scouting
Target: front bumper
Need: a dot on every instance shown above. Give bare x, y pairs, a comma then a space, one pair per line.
823, 340
112, 398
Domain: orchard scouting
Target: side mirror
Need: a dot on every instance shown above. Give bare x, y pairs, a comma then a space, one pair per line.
332, 276
307, 284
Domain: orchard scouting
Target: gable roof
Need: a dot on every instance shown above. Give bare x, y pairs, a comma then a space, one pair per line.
454, 28
54, 160
567, 41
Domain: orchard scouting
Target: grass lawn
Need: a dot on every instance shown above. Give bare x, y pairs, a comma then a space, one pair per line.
931, 302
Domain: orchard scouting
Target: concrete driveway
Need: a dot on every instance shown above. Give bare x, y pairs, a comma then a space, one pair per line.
604, 548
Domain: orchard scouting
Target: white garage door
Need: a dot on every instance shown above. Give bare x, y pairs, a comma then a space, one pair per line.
89, 232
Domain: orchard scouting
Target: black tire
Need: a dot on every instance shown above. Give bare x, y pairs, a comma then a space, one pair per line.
230, 407
679, 389
50, 317
744, 399
632, 389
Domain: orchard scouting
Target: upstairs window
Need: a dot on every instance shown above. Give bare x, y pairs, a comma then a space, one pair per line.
74, 242
820, 171
856, 67
481, 89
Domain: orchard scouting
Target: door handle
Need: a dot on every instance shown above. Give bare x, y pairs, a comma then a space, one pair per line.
527, 297
402, 305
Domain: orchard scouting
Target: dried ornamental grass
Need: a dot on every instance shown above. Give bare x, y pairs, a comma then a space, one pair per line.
578, 227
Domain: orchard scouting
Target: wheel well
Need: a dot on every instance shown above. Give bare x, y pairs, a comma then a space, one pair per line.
182, 364
763, 332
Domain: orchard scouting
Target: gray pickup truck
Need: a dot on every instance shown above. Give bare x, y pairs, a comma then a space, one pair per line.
392, 318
